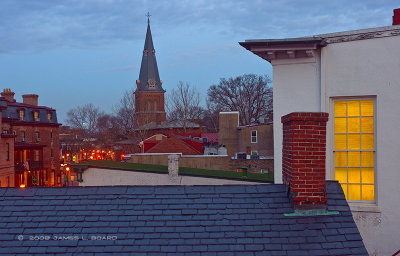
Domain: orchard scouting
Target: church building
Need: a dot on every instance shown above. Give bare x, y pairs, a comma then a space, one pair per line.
150, 115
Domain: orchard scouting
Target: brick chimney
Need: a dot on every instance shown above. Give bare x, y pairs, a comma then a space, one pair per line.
8, 95
396, 16
30, 99
303, 158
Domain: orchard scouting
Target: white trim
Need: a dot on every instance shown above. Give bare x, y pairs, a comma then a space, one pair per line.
230, 112
251, 136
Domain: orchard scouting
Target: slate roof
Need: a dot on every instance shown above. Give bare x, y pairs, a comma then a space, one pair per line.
12, 108
172, 220
148, 68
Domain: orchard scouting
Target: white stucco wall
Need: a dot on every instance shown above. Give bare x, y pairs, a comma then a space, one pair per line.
296, 88
109, 177
369, 67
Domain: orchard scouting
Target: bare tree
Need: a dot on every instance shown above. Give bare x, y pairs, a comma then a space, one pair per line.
183, 103
249, 94
85, 118
124, 114
211, 117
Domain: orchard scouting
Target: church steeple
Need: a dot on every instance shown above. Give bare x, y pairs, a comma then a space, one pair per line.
149, 79
149, 95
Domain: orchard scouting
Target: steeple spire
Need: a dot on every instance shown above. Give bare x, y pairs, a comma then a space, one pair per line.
149, 79
148, 18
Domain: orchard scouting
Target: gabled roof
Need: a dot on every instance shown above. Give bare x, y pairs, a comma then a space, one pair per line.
148, 68
174, 144
172, 220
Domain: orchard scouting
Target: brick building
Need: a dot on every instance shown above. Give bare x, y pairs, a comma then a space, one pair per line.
30, 141
248, 139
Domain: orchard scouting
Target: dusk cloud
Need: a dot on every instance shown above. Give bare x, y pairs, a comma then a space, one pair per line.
27, 25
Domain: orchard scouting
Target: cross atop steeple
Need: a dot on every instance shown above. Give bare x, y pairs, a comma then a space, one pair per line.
148, 17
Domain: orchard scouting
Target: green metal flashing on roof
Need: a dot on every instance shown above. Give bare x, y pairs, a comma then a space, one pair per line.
312, 212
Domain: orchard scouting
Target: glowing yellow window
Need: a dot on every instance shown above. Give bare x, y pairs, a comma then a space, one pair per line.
354, 148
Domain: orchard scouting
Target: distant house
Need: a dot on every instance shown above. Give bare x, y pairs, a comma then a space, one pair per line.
160, 143
30, 153
245, 140
354, 77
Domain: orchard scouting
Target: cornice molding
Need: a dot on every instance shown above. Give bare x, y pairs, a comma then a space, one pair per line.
362, 36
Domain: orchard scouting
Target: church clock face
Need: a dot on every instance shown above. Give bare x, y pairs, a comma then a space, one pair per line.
152, 83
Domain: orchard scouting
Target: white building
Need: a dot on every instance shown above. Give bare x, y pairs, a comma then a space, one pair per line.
355, 77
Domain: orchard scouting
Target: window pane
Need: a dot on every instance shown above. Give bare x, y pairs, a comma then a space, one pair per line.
368, 192
340, 158
354, 124
354, 158
340, 141
367, 159
340, 125
367, 124
354, 175
354, 192
341, 175
340, 108
354, 145
367, 141
367, 107
353, 108
354, 141
368, 175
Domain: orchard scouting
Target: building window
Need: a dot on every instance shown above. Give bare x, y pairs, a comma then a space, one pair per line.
36, 116
37, 136
8, 151
21, 114
36, 156
49, 116
23, 136
354, 148
254, 136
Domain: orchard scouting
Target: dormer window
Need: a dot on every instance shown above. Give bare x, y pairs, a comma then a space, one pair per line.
36, 116
49, 116
21, 114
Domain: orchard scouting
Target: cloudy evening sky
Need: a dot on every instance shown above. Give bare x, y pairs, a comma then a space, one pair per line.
73, 52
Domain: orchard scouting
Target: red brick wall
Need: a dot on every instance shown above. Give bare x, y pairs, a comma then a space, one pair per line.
303, 158
49, 136
396, 16
6, 165
144, 115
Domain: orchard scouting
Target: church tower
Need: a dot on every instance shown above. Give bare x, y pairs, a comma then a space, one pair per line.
149, 94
